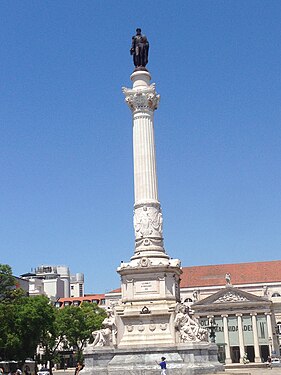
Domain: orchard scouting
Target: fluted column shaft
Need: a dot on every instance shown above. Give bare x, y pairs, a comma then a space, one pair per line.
269, 332
226, 340
256, 338
145, 177
241, 337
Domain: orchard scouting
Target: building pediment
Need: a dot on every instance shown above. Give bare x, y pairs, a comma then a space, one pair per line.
230, 295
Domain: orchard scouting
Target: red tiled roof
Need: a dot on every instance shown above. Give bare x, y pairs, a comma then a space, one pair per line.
241, 273
88, 297
118, 290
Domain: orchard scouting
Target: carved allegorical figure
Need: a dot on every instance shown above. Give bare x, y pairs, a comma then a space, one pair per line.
107, 335
189, 329
139, 49
148, 221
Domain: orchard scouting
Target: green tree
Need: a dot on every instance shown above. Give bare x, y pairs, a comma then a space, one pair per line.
7, 282
24, 322
78, 323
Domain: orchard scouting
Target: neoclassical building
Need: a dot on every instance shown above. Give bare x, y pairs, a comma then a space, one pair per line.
242, 300
243, 323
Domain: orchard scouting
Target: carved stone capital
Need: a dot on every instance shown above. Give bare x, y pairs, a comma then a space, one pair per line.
143, 99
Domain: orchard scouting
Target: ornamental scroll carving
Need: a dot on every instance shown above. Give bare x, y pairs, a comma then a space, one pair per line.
231, 297
148, 222
144, 99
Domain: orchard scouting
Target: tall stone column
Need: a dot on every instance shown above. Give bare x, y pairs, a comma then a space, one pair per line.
143, 101
241, 338
269, 332
256, 338
226, 340
150, 281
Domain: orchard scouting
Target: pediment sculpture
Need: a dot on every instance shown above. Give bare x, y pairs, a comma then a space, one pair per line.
231, 296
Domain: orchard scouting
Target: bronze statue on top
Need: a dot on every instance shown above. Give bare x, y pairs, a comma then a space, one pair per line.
139, 50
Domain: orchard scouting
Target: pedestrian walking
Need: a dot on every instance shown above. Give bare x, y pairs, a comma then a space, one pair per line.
163, 366
78, 368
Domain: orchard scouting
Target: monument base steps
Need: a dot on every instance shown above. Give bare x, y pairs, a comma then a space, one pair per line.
182, 359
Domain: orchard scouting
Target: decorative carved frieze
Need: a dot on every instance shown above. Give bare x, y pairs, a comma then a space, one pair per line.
143, 99
152, 326
231, 297
130, 328
163, 326
144, 262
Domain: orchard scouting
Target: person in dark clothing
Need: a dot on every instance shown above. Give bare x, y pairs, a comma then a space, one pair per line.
163, 365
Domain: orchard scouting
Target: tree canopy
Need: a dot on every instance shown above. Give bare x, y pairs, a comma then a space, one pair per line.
27, 322
77, 324
7, 282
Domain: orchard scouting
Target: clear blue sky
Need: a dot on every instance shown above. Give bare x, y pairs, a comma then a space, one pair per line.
66, 191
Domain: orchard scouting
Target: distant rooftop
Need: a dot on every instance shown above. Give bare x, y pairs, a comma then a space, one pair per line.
241, 273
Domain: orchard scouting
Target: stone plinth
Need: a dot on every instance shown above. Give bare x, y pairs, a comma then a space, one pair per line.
183, 359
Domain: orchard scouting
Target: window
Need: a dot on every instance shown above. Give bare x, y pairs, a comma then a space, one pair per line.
275, 294
72, 287
278, 328
102, 301
188, 300
262, 330
80, 290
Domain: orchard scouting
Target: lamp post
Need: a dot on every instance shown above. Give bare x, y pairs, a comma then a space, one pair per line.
212, 329
270, 341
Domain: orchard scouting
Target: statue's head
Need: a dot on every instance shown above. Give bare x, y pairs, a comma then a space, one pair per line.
138, 31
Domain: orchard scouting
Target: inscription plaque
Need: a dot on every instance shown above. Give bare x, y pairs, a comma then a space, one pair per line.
146, 286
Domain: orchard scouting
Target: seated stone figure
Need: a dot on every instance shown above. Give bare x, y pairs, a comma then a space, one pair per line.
189, 329
107, 335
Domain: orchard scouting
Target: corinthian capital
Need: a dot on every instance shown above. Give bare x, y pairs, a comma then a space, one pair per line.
142, 99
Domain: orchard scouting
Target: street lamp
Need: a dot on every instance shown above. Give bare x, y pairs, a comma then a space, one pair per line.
212, 329
270, 341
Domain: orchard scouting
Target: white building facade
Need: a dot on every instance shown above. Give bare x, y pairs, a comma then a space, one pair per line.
243, 301
55, 282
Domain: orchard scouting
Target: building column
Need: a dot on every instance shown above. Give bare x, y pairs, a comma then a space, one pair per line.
241, 338
226, 340
256, 338
269, 333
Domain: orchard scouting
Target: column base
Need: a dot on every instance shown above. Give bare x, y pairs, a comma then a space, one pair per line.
257, 359
228, 361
